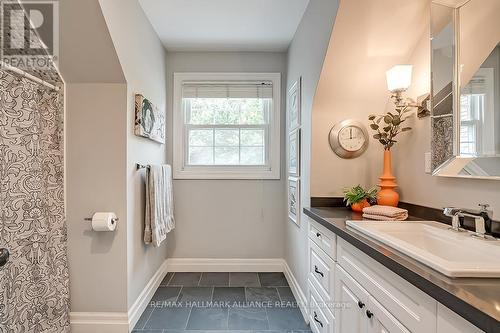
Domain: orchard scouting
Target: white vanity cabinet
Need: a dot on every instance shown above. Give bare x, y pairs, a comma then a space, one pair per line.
353, 293
321, 278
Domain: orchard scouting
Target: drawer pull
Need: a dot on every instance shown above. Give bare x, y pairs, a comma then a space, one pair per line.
361, 304
369, 314
317, 271
318, 234
317, 320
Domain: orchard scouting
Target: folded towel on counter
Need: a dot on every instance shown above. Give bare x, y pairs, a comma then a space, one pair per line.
159, 217
385, 213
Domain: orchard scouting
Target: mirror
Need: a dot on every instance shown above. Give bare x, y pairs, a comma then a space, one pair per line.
465, 93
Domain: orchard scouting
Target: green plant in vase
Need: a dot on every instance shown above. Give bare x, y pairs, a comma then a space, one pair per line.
358, 198
388, 126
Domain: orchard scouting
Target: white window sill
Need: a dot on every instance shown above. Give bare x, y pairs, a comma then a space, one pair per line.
228, 173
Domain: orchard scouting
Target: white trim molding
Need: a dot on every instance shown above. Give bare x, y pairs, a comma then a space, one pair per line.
298, 293
99, 322
140, 304
272, 169
224, 265
118, 322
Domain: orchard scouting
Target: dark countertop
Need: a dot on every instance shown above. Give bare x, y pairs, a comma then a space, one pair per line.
475, 299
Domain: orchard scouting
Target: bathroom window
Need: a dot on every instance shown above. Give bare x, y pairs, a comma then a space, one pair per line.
226, 126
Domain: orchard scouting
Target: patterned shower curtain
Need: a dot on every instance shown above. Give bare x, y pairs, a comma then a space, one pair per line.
34, 284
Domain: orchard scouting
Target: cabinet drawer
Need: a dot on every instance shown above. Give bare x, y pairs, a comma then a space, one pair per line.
324, 238
413, 308
320, 318
321, 271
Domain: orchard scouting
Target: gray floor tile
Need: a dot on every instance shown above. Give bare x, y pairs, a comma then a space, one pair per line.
208, 319
273, 280
166, 279
144, 318
185, 279
166, 294
215, 279
262, 294
195, 296
286, 319
245, 318
232, 295
244, 280
286, 294
168, 318
147, 331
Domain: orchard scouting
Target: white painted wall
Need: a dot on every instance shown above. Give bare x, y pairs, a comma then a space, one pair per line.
142, 58
226, 218
305, 58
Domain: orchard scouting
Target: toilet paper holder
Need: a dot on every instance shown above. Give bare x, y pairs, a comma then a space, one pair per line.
90, 219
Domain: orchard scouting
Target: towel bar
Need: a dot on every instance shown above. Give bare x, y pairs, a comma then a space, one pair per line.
141, 166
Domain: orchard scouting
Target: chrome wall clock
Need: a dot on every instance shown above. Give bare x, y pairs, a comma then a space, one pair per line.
349, 138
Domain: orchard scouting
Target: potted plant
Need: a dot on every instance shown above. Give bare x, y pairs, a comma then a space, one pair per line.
387, 127
358, 198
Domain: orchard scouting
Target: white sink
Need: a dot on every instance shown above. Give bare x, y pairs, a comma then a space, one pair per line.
455, 254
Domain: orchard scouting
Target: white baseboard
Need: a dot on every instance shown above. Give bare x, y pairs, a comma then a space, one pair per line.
99, 322
299, 295
224, 265
118, 322
124, 322
140, 304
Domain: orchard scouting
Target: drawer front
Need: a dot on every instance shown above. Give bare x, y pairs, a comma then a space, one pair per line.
321, 319
324, 238
413, 308
321, 271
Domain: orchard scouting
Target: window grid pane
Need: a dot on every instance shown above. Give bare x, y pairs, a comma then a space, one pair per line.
236, 130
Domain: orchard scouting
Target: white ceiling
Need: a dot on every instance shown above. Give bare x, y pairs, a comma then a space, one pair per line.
225, 25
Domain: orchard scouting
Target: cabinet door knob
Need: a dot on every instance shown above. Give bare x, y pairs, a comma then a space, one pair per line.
317, 271
318, 234
361, 304
317, 320
369, 314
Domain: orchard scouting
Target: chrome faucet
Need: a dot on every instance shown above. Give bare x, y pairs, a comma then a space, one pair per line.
454, 212
482, 218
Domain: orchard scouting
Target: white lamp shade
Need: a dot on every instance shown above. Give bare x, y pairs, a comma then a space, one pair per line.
399, 77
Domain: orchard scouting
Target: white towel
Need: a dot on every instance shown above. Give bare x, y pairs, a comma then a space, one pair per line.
159, 217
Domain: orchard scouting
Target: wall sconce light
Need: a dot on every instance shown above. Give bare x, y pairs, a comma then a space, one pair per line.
398, 81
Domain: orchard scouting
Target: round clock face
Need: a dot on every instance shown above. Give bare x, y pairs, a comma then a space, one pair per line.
351, 138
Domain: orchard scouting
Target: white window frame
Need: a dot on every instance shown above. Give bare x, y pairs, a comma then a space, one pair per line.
270, 171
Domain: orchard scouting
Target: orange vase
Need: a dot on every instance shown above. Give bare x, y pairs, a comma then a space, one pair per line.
387, 196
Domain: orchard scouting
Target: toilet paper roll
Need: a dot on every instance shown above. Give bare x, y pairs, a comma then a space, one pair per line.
104, 221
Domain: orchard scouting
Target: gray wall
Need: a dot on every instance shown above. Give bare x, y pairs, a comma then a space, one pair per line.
142, 58
226, 218
305, 58
95, 133
95, 181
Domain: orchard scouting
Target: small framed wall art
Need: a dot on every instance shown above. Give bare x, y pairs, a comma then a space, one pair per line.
294, 105
294, 153
149, 121
294, 200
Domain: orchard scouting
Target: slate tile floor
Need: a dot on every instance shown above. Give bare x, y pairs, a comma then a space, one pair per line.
223, 303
